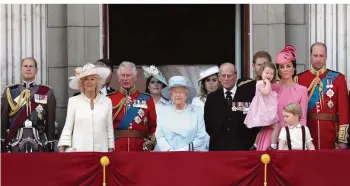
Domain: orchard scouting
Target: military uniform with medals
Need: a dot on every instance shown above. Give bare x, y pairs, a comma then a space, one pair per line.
28, 118
328, 109
134, 120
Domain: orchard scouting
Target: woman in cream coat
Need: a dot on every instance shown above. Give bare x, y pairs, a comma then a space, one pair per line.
88, 124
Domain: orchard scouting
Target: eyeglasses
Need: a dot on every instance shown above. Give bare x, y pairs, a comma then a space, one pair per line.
154, 82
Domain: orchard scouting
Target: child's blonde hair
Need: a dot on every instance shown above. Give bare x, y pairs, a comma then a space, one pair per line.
293, 108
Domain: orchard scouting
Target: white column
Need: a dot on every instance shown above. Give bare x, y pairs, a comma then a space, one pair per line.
23, 34
238, 36
341, 38
329, 31
3, 51
312, 23
348, 45
333, 51
320, 22
251, 46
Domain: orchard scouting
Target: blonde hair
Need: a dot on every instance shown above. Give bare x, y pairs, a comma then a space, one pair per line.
293, 108
100, 83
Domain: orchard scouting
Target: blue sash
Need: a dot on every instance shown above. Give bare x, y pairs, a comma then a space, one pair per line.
316, 95
131, 114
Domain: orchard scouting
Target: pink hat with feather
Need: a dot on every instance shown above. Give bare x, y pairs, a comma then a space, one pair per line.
286, 55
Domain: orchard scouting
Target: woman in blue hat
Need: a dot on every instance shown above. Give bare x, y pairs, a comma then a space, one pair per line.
180, 126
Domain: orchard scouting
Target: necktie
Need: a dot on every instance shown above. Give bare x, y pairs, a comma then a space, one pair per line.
229, 98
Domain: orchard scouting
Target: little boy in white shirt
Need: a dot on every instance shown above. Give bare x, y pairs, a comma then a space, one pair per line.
294, 136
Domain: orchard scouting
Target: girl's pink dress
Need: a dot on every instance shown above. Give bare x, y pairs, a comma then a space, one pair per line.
263, 109
292, 94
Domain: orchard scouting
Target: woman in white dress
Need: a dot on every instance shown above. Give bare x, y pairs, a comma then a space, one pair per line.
88, 124
155, 82
180, 126
208, 82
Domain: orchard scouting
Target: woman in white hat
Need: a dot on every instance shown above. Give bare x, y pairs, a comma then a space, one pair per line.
88, 124
155, 82
208, 82
180, 126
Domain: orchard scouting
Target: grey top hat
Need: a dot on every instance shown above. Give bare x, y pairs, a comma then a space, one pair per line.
179, 81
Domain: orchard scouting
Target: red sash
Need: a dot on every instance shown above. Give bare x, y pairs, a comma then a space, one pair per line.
21, 116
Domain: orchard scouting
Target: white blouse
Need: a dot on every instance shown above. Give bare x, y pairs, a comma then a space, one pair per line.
199, 103
177, 129
159, 105
86, 129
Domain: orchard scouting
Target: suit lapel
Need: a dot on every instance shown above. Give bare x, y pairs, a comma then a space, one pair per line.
236, 98
221, 96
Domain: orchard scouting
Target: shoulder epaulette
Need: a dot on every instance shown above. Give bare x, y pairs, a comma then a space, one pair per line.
244, 82
12, 86
302, 73
45, 86
112, 93
334, 71
145, 93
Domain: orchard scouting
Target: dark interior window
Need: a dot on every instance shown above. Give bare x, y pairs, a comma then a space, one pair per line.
171, 34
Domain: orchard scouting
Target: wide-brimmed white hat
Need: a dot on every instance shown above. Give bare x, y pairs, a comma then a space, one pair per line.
208, 72
179, 81
153, 71
87, 70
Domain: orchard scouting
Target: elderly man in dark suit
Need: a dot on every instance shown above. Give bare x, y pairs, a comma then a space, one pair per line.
225, 111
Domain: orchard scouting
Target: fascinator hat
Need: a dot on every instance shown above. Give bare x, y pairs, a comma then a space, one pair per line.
89, 69
179, 81
286, 55
154, 72
208, 72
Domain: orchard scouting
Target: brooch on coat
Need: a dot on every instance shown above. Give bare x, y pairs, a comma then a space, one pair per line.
330, 93
39, 109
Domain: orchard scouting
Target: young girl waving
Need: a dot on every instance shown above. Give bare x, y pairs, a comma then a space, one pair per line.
263, 109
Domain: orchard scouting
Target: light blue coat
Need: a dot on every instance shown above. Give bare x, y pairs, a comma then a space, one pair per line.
177, 130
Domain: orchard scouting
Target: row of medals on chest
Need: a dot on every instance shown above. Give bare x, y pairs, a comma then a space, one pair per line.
330, 93
142, 104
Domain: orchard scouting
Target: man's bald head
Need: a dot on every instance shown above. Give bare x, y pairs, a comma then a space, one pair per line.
31, 59
228, 75
227, 65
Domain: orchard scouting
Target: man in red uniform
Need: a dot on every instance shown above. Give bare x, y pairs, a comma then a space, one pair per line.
134, 114
328, 110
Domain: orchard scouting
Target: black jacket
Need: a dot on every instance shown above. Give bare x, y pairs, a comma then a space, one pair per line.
224, 126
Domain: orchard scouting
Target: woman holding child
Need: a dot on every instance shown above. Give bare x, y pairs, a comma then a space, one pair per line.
287, 92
